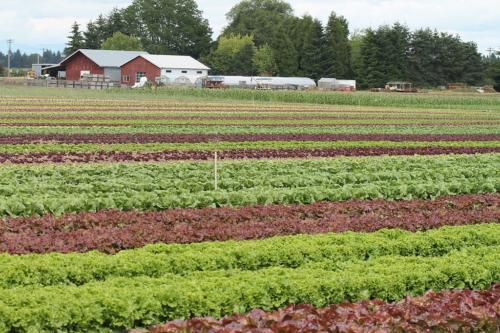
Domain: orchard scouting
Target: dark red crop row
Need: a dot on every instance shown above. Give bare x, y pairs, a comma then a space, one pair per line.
448, 311
113, 156
195, 138
112, 231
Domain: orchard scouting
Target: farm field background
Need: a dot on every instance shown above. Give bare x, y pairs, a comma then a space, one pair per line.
357, 205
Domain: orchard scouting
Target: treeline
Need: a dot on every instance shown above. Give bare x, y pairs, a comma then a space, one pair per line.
265, 37
24, 60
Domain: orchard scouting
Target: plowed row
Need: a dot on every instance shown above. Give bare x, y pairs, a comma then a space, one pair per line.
112, 231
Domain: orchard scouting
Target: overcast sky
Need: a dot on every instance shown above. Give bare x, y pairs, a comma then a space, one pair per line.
37, 24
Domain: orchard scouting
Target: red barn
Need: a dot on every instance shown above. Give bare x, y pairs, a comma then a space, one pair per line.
139, 67
168, 69
105, 62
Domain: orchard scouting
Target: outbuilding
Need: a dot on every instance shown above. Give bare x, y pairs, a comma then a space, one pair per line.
336, 85
268, 82
96, 62
166, 69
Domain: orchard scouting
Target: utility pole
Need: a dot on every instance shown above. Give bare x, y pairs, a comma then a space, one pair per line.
9, 41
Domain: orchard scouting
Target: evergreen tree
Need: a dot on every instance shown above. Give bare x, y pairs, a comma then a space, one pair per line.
474, 71
393, 42
92, 36
492, 70
371, 73
115, 23
422, 54
285, 54
356, 55
75, 41
337, 49
436, 59
308, 39
101, 29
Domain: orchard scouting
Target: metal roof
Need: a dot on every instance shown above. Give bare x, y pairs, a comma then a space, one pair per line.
271, 80
108, 58
174, 61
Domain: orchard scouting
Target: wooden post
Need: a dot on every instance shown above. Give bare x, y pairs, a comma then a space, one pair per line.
216, 175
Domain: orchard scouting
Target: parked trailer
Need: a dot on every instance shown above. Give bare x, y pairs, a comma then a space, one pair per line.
400, 86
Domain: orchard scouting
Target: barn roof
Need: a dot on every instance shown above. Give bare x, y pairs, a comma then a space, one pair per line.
174, 61
108, 58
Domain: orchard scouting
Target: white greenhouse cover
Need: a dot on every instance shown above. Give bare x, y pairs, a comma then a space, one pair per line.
254, 80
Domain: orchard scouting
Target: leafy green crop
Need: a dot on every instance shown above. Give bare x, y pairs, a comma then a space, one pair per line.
125, 302
291, 252
29, 190
197, 129
201, 146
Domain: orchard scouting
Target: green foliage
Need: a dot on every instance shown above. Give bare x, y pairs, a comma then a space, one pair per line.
223, 129
308, 38
264, 61
122, 42
335, 250
126, 302
75, 40
383, 56
169, 26
234, 55
439, 58
492, 65
337, 48
269, 22
29, 190
425, 57
211, 146
258, 18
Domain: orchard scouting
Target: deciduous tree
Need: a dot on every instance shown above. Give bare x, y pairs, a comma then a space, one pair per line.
122, 42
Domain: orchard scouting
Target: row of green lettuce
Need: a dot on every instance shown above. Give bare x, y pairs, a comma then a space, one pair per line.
334, 250
195, 129
57, 189
242, 122
128, 302
303, 114
221, 145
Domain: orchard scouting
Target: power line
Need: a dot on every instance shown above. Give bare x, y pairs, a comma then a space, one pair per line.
9, 41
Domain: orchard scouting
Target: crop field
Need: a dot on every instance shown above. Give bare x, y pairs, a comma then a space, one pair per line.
240, 211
